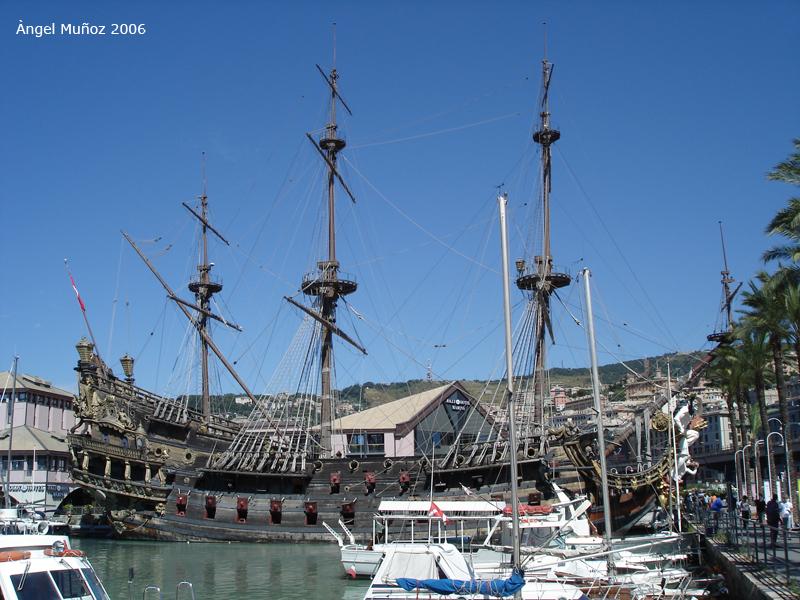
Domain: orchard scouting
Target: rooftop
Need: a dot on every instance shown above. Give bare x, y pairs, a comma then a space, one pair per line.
388, 416
28, 439
30, 383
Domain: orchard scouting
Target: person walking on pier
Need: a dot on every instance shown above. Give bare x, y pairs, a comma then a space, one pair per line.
786, 513
744, 507
761, 509
716, 509
773, 518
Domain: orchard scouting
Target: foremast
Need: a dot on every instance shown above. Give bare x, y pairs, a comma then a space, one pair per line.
327, 284
540, 279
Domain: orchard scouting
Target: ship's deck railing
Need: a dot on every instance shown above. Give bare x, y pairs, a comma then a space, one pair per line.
121, 388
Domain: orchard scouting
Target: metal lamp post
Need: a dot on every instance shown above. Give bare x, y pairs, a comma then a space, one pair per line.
744, 461
769, 464
742, 491
760, 484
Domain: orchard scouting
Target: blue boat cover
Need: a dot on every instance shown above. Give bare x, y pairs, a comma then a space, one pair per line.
493, 587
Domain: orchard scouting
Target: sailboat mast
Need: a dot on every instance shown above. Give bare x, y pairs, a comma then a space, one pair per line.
11, 432
204, 279
540, 279
598, 408
329, 300
204, 288
725, 335
326, 283
727, 280
502, 200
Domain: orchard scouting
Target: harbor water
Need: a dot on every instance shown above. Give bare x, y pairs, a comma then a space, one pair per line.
230, 571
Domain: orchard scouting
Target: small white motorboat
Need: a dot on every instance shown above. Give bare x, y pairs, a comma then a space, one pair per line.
45, 567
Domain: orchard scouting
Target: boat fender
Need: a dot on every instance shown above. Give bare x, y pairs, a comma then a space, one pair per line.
370, 479
181, 503
348, 512
276, 510
211, 507
405, 481
14, 555
242, 508
353, 466
310, 510
335, 480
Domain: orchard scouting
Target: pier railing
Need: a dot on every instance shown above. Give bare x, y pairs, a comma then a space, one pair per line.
767, 547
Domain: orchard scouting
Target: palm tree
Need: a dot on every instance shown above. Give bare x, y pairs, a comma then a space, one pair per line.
786, 224
756, 354
723, 373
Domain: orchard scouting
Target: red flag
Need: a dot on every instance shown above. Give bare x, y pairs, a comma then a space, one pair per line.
77, 294
437, 512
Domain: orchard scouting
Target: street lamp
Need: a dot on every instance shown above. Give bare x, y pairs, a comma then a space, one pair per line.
760, 484
742, 492
744, 460
769, 464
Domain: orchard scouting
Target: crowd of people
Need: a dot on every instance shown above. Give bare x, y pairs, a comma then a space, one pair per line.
776, 513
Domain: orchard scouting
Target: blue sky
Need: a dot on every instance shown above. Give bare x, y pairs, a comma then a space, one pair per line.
671, 114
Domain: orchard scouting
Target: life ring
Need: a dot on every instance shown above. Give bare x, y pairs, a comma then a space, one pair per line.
43, 527
14, 555
66, 553
387, 464
460, 459
353, 465
317, 465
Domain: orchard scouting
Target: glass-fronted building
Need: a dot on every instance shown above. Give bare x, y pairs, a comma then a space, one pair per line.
415, 425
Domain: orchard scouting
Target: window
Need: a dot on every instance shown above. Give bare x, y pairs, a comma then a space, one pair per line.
70, 584
369, 444
17, 463
35, 586
95, 584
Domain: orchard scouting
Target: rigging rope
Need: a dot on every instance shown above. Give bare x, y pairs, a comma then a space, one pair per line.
419, 226
438, 132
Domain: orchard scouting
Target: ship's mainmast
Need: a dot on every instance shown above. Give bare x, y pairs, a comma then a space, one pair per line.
540, 279
204, 288
326, 283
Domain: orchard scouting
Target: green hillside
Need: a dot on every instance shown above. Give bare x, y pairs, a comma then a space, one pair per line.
372, 393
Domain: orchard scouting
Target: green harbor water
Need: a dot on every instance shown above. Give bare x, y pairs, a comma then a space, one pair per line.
229, 571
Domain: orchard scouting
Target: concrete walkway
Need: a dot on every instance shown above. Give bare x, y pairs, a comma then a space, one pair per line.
776, 573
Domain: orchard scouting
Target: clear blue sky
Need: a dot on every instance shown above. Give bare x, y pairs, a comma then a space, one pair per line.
671, 114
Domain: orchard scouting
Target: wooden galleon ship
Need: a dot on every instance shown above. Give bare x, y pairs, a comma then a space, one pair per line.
170, 472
